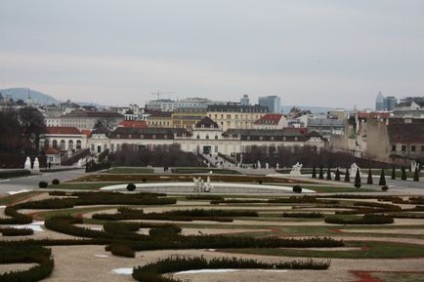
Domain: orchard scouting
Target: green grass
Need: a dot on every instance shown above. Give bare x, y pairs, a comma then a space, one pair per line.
370, 250
327, 189
82, 186
203, 170
17, 197
129, 170
73, 211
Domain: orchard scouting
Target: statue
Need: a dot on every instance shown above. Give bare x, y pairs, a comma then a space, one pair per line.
208, 185
27, 164
36, 164
353, 168
259, 165
296, 169
196, 184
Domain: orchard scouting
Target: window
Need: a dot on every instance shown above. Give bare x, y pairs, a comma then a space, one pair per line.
422, 148
216, 136
413, 148
197, 137
207, 136
403, 148
393, 148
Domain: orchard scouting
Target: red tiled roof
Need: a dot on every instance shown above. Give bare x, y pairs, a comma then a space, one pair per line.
86, 132
269, 119
133, 123
62, 130
406, 131
51, 151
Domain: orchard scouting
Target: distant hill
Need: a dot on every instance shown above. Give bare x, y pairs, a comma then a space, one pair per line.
22, 93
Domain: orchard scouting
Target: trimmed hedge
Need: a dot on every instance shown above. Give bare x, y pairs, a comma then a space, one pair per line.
121, 250
303, 214
366, 219
297, 189
43, 184
27, 254
131, 187
152, 272
9, 231
15, 216
55, 181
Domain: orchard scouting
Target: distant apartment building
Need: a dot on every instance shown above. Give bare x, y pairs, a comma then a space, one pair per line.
399, 140
271, 121
327, 127
193, 103
411, 107
187, 117
235, 116
159, 119
272, 102
163, 105
84, 120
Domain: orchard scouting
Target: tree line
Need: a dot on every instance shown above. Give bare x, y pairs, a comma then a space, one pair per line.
20, 134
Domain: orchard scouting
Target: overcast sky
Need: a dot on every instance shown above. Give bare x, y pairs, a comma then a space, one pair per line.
333, 53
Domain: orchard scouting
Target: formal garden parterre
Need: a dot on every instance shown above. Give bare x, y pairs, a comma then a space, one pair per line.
341, 234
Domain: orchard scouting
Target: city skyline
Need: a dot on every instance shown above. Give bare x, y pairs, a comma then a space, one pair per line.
325, 53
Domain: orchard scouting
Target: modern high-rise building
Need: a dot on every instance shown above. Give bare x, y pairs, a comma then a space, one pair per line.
390, 103
379, 102
385, 103
245, 100
272, 102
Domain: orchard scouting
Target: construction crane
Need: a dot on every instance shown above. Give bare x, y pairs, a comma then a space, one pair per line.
159, 93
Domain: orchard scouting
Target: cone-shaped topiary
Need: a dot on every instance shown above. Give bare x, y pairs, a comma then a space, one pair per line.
382, 181
347, 176
321, 173
314, 172
369, 180
393, 172
328, 173
403, 176
416, 175
357, 179
337, 177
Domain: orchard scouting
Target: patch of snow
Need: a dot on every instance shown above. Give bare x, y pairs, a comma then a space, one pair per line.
226, 270
17, 192
207, 271
36, 226
101, 256
125, 271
